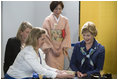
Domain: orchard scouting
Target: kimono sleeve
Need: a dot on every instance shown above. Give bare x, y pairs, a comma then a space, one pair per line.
67, 41
47, 44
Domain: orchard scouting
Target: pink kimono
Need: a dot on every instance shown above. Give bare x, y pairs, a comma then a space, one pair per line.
58, 39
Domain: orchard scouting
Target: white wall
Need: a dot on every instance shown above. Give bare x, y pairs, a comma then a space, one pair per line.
14, 12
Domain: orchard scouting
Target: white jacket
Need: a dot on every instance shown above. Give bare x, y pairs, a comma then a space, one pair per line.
27, 62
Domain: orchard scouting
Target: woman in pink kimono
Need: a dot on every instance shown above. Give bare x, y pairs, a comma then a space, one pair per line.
58, 39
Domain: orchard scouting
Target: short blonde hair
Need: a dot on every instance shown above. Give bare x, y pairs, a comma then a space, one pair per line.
24, 25
89, 27
34, 35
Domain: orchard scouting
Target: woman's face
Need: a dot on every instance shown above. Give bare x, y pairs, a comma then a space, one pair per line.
25, 34
88, 37
57, 11
41, 40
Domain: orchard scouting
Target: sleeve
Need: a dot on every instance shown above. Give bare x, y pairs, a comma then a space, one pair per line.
49, 68
47, 44
67, 41
8, 57
33, 61
45, 65
73, 61
100, 62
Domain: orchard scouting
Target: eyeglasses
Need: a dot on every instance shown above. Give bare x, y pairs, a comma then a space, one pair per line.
58, 9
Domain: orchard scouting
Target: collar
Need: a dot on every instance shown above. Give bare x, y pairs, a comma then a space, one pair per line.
57, 19
94, 46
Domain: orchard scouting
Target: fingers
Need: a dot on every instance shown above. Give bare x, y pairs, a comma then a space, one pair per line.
69, 76
64, 75
78, 74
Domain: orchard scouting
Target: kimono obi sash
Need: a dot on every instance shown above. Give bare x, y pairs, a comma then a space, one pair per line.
57, 35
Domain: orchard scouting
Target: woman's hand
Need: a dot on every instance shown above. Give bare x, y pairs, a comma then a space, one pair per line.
59, 71
64, 75
79, 74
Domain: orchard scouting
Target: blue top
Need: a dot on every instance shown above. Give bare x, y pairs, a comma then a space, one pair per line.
90, 61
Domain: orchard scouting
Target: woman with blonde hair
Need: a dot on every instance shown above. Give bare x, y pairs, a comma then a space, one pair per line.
88, 55
32, 59
15, 44
23, 31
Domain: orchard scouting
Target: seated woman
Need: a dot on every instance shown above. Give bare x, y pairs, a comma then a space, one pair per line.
32, 59
88, 55
15, 44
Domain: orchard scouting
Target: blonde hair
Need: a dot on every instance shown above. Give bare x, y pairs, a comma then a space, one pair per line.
89, 27
24, 25
34, 35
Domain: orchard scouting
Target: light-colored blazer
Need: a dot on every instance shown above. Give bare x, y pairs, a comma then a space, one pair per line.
28, 62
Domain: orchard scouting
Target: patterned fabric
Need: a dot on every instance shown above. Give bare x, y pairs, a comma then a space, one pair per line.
87, 55
56, 35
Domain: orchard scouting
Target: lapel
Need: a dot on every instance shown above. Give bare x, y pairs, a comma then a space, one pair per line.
83, 48
95, 46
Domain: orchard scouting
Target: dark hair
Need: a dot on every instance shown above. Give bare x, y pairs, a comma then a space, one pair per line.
54, 4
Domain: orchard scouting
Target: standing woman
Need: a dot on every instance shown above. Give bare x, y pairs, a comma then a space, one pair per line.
58, 39
15, 44
88, 55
